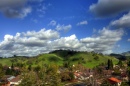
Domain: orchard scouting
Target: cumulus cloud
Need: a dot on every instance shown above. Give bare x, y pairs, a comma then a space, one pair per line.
82, 23
14, 8
29, 43
123, 22
32, 43
63, 27
52, 23
104, 41
105, 8
129, 40
70, 42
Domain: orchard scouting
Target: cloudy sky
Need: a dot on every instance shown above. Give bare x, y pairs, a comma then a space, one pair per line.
31, 27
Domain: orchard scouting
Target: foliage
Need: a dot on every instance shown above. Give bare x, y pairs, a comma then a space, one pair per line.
1, 71
53, 59
128, 70
37, 68
124, 84
116, 72
110, 64
96, 58
120, 63
60, 58
105, 83
45, 76
29, 67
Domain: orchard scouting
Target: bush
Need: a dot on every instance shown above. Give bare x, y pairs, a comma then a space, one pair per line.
96, 58
76, 59
53, 59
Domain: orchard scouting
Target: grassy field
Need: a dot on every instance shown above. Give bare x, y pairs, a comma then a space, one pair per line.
88, 59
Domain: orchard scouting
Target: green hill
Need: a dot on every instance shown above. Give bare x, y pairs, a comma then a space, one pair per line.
91, 60
88, 59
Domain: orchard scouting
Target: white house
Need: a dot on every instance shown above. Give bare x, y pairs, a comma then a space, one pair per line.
15, 81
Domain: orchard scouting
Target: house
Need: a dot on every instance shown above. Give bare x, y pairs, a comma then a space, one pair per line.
5, 80
107, 73
15, 81
114, 81
82, 75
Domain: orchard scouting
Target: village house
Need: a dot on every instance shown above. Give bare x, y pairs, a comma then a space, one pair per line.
16, 80
9, 80
5, 80
83, 75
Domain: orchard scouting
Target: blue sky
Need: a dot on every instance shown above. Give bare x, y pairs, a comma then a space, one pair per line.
31, 27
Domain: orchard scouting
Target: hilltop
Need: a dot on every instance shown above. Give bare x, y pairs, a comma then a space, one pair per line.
59, 57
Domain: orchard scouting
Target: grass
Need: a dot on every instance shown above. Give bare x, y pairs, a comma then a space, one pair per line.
6, 61
87, 59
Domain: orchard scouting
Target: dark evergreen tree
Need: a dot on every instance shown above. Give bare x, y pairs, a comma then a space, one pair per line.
110, 64
12, 66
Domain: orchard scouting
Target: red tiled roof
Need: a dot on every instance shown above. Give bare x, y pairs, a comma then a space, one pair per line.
114, 80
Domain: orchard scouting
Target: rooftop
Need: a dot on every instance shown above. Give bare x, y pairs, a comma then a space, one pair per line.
114, 80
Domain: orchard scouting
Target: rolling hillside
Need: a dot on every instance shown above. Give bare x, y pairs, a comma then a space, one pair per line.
88, 59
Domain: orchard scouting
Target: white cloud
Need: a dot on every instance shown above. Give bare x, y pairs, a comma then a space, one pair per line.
52, 23
32, 43
105, 8
70, 42
105, 40
25, 12
129, 40
123, 22
29, 43
42, 34
63, 27
82, 23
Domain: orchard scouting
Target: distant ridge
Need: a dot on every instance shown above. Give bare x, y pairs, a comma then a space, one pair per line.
126, 53
118, 56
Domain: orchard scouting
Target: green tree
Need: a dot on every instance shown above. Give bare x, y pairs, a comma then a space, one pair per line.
12, 66
120, 63
65, 76
29, 79
37, 68
124, 84
29, 67
96, 58
110, 64
1, 71
105, 83
128, 70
